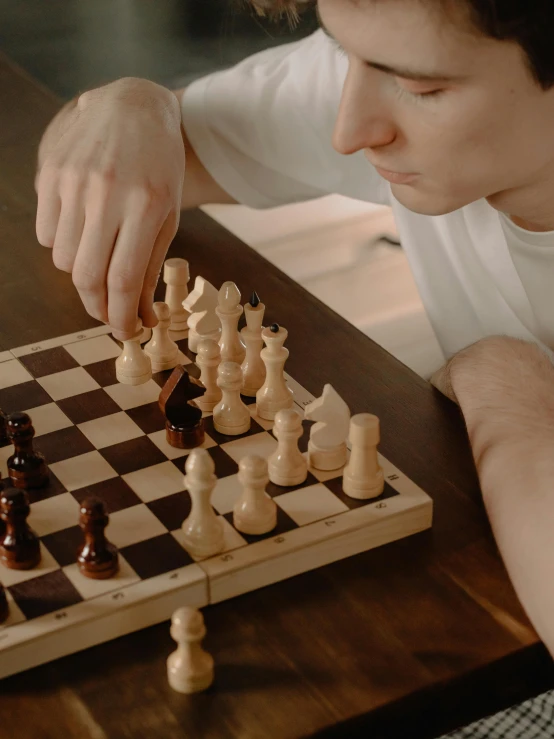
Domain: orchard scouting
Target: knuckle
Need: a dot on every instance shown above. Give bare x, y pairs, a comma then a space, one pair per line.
87, 281
62, 259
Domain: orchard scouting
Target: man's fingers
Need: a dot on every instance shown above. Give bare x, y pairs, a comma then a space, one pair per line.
130, 258
48, 209
90, 270
69, 232
163, 241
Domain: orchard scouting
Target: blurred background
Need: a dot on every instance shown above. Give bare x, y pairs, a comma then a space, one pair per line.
343, 251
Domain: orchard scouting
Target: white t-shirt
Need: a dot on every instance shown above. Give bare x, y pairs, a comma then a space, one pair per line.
263, 130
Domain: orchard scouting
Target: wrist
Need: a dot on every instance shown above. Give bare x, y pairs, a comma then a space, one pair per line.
134, 92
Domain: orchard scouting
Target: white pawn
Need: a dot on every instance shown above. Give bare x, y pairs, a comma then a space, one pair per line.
254, 512
208, 359
274, 395
327, 445
253, 368
363, 476
176, 277
287, 465
133, 366
202, 529
203, 320
190, 668
229, 311
231, 415
162, 350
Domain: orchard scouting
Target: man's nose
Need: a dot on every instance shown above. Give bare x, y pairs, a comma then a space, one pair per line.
363, 120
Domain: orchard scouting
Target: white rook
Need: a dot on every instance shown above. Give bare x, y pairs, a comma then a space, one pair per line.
363, 476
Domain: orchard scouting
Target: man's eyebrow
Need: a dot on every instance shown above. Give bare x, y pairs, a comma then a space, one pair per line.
409, 74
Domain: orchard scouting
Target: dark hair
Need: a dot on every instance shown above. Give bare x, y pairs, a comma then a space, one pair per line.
529, 23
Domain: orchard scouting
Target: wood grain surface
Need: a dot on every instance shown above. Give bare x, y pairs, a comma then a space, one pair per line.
409, 640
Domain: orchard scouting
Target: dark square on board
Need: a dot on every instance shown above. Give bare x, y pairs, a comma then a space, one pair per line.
155, 556
284, 524
335, 486
22, 397
53, 488
88, 406
103, 372
132, 455
63, 545
273, 489
148, 418
304, 439
115, 493
49, 361
45, 594
224, 464
63, 444
171, 510
255, 428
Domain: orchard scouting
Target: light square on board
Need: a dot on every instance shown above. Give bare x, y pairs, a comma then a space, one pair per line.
94, 350
131, 396
48, 418
109, 430
90, 588
263, 444
134, 525
310, 504
150, 483
171, 452
226, 493
66, 384
47, 564
79, 472
12, 373
54, 514
231, 537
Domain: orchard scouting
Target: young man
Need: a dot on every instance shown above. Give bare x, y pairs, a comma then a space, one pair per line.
442, 109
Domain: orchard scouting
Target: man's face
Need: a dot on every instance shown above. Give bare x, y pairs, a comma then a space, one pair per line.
479, 127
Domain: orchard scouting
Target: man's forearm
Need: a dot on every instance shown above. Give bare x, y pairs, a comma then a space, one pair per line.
505, 389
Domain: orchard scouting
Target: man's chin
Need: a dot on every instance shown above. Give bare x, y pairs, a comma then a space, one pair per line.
427, 204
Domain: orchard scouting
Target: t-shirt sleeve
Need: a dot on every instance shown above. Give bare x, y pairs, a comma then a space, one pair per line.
263, 129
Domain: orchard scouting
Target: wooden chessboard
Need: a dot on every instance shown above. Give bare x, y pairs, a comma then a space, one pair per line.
106, 439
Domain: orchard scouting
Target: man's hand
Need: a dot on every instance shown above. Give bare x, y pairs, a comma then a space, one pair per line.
109, 184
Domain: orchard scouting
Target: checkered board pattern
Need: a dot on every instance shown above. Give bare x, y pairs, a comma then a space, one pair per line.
106, 439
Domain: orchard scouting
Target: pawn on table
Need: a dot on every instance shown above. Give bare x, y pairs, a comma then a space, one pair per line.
133, 366
254, 512
96, 558
190, 668
287, 465
231, 416
176, 277
162, 350
253, 368
19, 545
203, 529
274, 395
26, 468
4, 607
229, 311
363, 476
208, 359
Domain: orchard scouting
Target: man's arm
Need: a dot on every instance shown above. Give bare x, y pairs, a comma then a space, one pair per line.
505, 389
199, 187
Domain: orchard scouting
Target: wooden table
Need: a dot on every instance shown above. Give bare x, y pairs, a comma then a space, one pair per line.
411, 639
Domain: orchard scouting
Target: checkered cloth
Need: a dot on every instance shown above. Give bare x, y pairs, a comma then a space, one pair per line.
533, 719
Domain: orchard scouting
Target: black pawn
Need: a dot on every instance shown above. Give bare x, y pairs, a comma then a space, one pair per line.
26, 468
4, 608
96, 558
4, 440
19, 546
